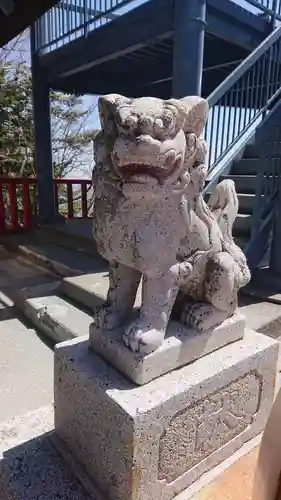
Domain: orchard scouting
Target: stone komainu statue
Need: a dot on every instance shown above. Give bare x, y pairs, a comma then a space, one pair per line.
150, 220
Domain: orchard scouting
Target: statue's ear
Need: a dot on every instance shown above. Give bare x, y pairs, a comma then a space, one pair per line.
107, 105
178, 110
197, 110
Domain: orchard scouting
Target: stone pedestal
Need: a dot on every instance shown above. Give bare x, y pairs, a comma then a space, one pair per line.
181, 346
152, 442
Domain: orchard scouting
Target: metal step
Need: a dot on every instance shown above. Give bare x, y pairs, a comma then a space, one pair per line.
246, 203
251, 151
243, 183
242, 225
245, 166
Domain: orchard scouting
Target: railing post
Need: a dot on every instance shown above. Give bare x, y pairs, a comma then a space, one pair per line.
13, 205
189, 32
273, 17
26, 205
69, 193
2, 210
42, 136
85, 18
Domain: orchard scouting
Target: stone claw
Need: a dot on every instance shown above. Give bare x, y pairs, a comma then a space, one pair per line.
202, 316
142, 338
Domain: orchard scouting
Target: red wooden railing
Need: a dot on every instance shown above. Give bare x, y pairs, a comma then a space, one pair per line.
74, 203
19, 207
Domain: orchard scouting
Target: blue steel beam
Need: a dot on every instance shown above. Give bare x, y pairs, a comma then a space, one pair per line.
152, 68
123, 83
42, 139
124, 35
143, 25
189, 35
153, 65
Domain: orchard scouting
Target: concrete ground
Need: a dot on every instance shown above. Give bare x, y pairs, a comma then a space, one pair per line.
26, 359
26, 370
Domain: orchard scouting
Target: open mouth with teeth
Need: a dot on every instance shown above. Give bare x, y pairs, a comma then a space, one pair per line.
133, 172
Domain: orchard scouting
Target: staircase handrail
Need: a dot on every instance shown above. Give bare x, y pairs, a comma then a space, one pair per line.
250, 88
231, 79
243, 67
273, 10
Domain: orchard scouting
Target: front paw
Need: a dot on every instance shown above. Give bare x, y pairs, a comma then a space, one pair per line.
143, 338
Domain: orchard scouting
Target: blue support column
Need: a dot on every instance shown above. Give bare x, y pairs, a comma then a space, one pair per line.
189, 32
43, 138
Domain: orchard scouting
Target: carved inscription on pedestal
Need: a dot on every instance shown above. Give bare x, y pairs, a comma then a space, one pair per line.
199, 430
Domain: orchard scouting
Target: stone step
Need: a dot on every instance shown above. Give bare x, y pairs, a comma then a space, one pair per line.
89, 290
74, 234
243, 183
53, 257
245, 166
52, 314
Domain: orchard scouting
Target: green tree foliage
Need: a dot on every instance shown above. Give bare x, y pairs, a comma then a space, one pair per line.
71, 121
71, 135
16, 132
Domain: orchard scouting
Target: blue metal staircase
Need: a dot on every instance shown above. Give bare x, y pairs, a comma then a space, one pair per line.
126, 46
244, 136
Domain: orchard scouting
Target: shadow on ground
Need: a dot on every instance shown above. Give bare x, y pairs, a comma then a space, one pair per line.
34, 470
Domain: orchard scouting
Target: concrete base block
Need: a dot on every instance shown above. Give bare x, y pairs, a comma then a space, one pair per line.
181, 346
155, 441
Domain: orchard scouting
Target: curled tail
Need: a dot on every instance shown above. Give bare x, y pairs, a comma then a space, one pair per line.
223, 204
